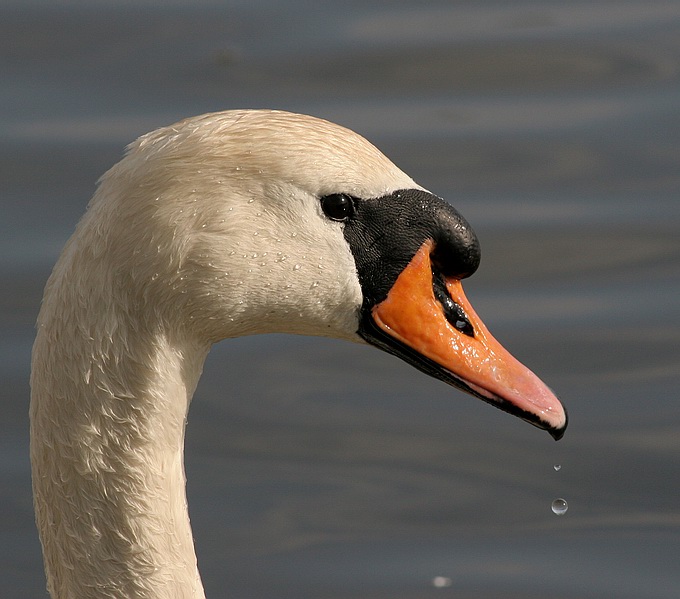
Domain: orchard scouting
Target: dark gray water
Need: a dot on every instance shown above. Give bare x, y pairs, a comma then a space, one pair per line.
334, 471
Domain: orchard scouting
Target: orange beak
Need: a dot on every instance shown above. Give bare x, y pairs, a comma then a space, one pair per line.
430, 316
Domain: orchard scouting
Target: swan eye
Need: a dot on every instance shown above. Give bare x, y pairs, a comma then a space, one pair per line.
338, 206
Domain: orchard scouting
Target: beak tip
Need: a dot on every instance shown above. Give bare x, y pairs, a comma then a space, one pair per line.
558, 432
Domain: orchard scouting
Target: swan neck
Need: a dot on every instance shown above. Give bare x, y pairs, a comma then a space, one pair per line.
108, 412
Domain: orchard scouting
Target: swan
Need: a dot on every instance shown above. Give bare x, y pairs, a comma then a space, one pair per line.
222, 225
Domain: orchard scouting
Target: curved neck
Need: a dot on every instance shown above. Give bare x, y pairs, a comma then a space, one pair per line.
108, 411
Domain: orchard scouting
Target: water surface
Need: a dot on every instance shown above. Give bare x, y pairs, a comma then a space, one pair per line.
331, 470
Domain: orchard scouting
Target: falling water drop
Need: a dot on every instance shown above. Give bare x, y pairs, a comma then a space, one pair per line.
559, 506
441, 582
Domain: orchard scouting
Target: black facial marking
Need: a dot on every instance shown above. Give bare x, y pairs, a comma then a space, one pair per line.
452, 311
385, 233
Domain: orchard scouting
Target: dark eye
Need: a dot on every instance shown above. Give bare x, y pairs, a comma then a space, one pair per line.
338, 206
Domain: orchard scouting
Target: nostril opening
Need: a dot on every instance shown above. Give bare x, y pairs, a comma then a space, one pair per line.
453, 312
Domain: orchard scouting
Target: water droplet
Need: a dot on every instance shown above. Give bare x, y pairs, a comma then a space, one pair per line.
315, 284
441, 582
557, 467
297, 267
293, 234
559, 506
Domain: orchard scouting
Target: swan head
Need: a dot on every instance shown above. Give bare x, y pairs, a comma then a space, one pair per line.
248, 222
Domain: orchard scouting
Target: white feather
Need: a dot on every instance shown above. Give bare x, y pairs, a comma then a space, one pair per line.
207, 229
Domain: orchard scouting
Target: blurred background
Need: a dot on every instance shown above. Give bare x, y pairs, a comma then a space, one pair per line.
321, 469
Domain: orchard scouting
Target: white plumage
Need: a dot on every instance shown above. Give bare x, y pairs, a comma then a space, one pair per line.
207, 229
